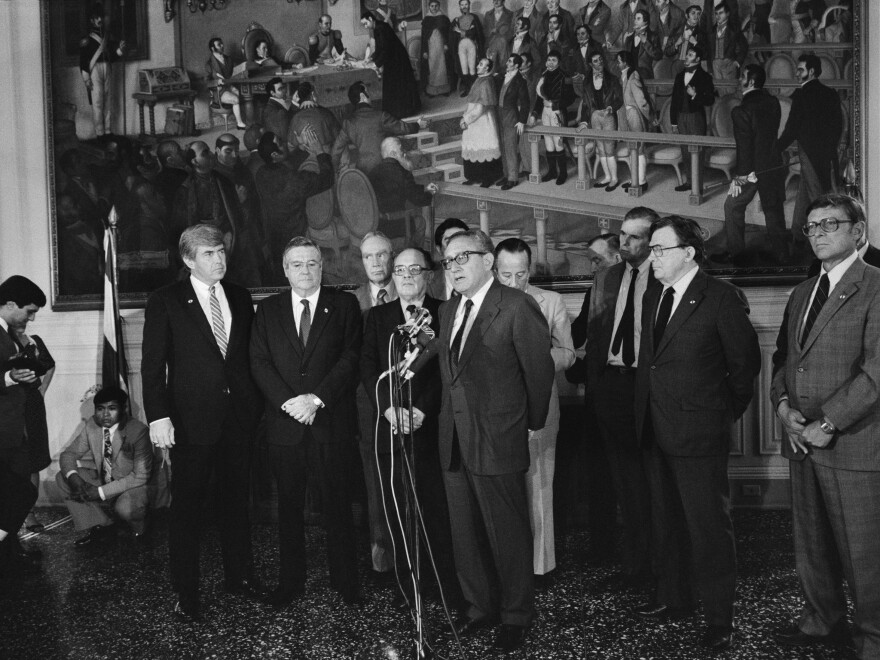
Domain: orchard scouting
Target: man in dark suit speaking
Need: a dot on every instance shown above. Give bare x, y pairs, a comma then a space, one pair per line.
200, 401
497, 377
698, 360
826, 395
305, 348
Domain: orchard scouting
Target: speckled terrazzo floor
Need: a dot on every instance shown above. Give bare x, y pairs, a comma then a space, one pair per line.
115, 603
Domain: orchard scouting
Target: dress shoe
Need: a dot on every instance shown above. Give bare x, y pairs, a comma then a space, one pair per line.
94, 535
600, 184
281, 597
685, 187
611, 186
468, 182
485, 184
792, 635
662, 612
241, 127
187, 613
717, 638
466, 626
626, 186
500, 181
510, 637
507, 185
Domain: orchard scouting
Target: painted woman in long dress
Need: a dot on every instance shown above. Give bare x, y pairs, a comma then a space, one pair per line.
437, 65
480, 146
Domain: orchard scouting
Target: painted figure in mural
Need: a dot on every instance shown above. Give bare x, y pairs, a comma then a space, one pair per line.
219, 69
326, 43
437, 69
467, 32
97, 52
400, 92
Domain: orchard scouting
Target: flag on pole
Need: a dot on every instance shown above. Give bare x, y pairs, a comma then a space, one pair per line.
114, 370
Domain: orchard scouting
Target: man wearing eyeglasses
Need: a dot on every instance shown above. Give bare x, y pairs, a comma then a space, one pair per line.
826, 395
305, 347
698, 360
497, 377
412, 274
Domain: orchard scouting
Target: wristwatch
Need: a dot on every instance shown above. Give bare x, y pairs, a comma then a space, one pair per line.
826, 426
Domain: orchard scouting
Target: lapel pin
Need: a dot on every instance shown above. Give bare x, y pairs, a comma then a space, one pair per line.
189, 301
842, 296
325, 310
693, 302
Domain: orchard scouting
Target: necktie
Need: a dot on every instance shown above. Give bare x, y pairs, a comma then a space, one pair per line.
456, 342
411, 310
381, 297
663, 315
626, 329
818, 302
217, 322
305, 323
108, 457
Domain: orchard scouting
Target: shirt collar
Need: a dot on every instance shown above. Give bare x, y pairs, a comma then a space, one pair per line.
313, 300
112, 429
836, 273
418, 303
200, 287
480, 295
685, 280
390, 293
4, 324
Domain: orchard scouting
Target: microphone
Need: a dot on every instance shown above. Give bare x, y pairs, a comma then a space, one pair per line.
421, 335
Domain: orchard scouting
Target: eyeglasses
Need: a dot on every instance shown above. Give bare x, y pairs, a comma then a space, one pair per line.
659, 250
415, 270
461, 259
828, 225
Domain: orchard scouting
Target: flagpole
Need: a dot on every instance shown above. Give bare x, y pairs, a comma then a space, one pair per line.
124, 103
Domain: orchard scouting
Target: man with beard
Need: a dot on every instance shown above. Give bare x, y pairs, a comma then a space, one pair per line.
219, 69
394, 185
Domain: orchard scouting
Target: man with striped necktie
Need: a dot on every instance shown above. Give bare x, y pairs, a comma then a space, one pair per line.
201, 404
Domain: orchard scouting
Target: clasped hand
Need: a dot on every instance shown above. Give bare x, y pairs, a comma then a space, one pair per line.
395, 415
302, 408
800, 433
81, 490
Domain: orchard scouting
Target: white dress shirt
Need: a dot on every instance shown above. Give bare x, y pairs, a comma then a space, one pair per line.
203, 293
641, 287
477, 299
298, 308
680, 287
834, 276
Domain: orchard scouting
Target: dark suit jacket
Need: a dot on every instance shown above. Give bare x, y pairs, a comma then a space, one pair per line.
12, 400
201, 385
326, 367
598, 23
701, 377
681, 100
381, 323
566, 26
395, 186
364, 130
816, 122
502, 385
276, 119
647, 52
735, 45
600, 319
836, 378
514, 105
755, 127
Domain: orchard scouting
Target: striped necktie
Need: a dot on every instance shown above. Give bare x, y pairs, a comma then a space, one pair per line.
816, 307
108, 457
217, 322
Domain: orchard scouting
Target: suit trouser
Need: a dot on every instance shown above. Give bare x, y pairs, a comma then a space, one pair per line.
810, 186
228, 462
692, 529
380, 543
17, 493
509, 148
836, 519
435, 514
293, 467
492, 542
467, 57
102, 104
614, 399
539, 492
130, 505
771, 188
690, 123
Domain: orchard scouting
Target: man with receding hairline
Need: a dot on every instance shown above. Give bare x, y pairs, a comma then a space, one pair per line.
492, 339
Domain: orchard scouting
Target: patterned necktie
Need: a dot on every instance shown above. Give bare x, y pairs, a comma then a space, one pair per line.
456, 342
411, 310
305, 323
663, 315
108, 457
217, 322
818, 302
381, 297
626, 329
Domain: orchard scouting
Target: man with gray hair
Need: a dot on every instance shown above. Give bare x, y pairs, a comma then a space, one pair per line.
202, 405
394, 185
305, 350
